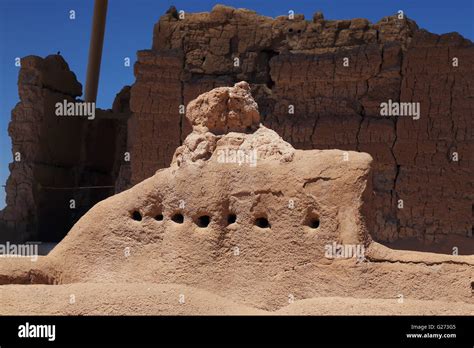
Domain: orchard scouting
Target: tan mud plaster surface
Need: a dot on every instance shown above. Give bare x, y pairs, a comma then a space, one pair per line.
236, 238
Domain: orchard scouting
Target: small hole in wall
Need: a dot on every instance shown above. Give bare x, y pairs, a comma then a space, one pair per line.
203, 221
312, 220
299, 31
232, 218
262, 222
472, 287
136, 216
159, 217
313, 223
178, 218
290, 30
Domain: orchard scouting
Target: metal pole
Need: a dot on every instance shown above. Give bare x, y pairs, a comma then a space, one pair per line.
95, 49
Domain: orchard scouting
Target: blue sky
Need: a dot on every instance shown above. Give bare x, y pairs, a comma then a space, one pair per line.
43, 27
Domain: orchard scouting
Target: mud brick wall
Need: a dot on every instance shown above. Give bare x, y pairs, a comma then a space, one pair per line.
58, 155
299, 63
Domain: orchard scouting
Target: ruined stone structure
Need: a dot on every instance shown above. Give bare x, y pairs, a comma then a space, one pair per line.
319, 84
57, 158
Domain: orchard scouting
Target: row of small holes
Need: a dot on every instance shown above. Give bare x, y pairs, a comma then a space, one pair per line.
203, 221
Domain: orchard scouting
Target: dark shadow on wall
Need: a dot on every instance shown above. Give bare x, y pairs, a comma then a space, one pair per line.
454, 245
78, 173
68, 163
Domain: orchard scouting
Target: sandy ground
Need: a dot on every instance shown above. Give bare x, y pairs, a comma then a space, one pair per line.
168, 299
115, 299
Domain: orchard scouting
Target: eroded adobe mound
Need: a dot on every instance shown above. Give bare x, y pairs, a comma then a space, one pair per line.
248, 192
225, 109
246, 217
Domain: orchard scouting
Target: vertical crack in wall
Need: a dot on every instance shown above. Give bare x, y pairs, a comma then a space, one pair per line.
395, 193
